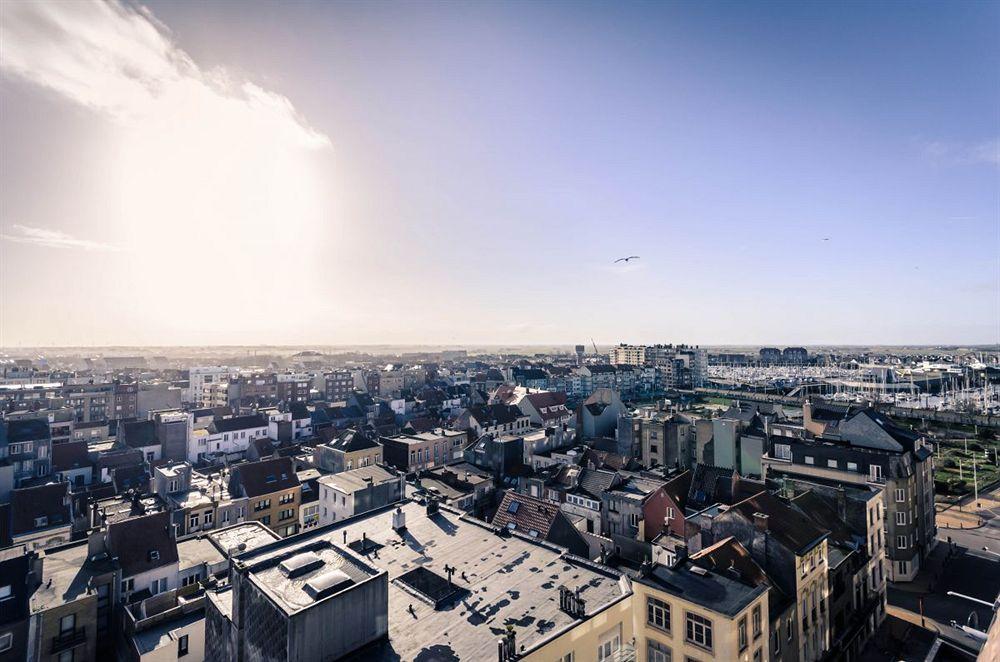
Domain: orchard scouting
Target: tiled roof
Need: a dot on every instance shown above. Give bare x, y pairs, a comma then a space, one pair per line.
143, 543
526, 514
30, 503
784, 523
266, 476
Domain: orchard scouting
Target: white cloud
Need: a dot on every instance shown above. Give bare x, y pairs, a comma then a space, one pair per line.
200, 173
958, 153
53, 239
120, 61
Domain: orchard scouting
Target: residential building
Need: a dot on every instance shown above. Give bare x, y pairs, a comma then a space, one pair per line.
862, 447
338, 386
273, 490
349, 493
419, 452
41, 516
347, 450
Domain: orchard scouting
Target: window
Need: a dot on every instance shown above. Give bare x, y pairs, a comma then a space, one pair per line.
832, 464
699, 631
900, 518
901, 542
568, 657
776, 640
182, 646
66, 656
194, 521
633, 520
658, 614
742, 630
128, 585
266, 519
610, 645
875, 472
852, 466
756, 655
158, 586
67, 623
810, 459
6, 641
208, 518
904, 567
287, 498
656, 652
900, 495
788, 629
5, 592
286, 514
757, 627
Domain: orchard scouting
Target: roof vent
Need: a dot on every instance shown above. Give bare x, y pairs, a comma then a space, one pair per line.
300, 564
698, 570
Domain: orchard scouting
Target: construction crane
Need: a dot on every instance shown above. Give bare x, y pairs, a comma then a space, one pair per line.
595, 346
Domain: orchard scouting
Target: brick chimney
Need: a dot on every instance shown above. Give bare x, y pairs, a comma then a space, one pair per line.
760, 522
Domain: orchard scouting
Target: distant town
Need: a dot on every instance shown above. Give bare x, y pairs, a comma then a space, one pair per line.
636, 502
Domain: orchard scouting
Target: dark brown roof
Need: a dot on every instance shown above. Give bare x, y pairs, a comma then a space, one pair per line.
788, 526
48, 501
677, 488
526, 513
265, 477
143, 543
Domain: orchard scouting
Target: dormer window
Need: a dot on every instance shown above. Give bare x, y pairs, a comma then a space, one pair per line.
154, 555
41, 521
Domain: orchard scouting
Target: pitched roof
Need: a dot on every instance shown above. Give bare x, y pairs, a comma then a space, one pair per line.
139, 433
29, 429
496, 414
730, 556
238, 423
70, 455
30, 503
352, 440
677, 488
710, 484
143, 543
597, 481
523, 513
787, 525
265, 476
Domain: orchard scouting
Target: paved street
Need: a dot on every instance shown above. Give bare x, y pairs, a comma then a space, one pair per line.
969, 570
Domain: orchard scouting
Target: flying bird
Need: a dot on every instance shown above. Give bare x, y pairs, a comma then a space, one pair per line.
826, 239
626, 259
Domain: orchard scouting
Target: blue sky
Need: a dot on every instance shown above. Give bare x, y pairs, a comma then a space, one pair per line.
477, 167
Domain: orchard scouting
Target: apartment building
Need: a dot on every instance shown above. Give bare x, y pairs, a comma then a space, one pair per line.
357, 491
338, 385
417, 452
347, 450
862, 447
687, 612
273, 490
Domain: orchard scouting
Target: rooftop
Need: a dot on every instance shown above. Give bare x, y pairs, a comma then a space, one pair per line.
249, 534
66, 575
503, 580
706, 588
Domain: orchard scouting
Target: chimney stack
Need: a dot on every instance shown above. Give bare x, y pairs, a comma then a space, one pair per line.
760, 521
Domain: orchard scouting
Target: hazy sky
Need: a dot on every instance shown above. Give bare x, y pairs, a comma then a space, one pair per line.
298, 172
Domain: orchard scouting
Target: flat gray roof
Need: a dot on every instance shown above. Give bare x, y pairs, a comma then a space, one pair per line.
504, 579
163, 634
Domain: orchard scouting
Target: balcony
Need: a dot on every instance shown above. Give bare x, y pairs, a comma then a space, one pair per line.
66, 640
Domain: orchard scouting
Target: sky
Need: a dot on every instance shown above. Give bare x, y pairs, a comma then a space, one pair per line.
180, 173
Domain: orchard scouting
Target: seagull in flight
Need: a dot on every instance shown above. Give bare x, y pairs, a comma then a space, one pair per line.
626, 259
826, 239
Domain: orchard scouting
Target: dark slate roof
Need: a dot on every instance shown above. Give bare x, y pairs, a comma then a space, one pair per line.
712, 590
119, 458
729, 556
134, 541
710, 484
349, 441
602, 368
266, 476
49, 501
526, 513
497, 414
597, 481
130, 476
264, 446
299, 411
788, 526
70, 455
238, 423
344, 413
139, 433
31, 429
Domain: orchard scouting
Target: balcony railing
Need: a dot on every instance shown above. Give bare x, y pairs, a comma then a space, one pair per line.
66, 640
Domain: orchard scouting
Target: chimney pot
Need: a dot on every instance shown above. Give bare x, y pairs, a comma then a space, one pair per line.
760, 521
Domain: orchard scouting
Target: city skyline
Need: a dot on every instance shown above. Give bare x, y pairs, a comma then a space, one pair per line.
434, 174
